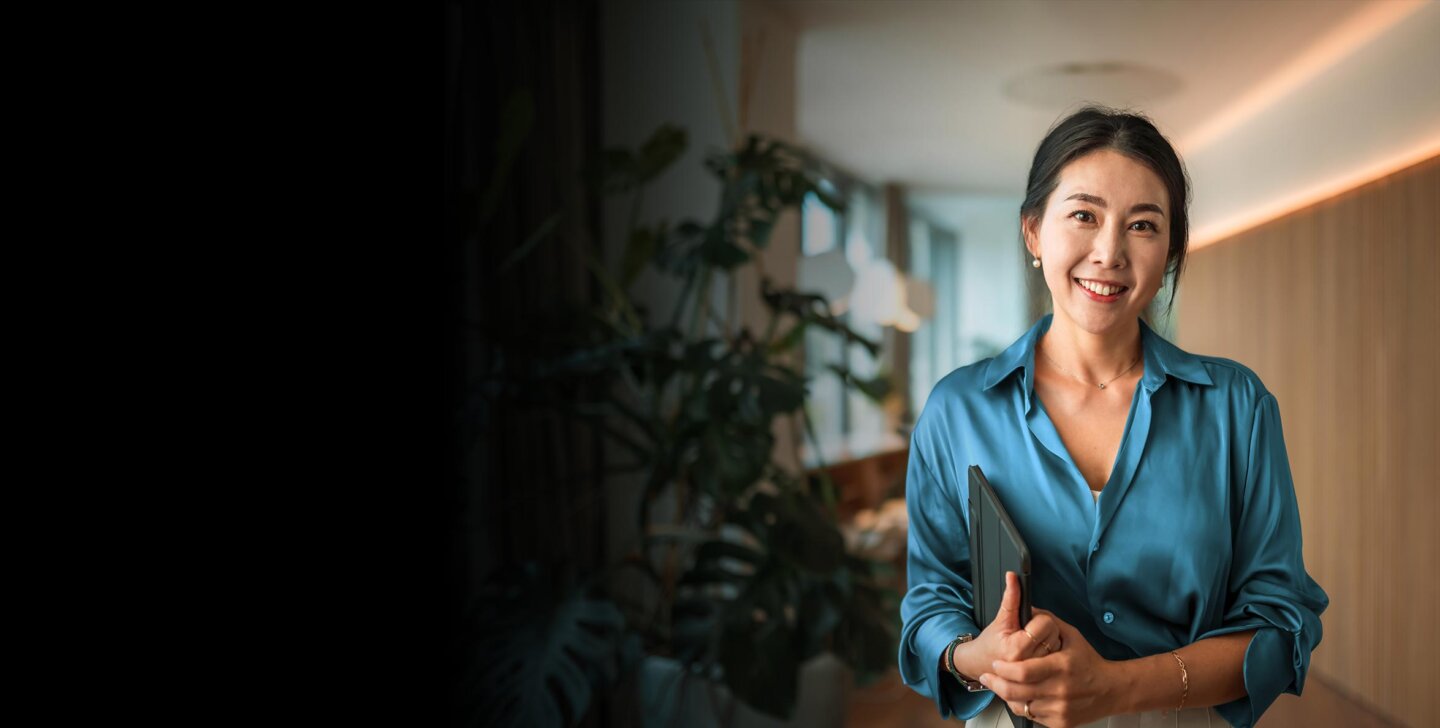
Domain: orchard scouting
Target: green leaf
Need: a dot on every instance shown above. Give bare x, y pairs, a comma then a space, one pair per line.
808, 538
790, 340
694, 626
545, 230
875, 388
619, 301
621, 170
540, 654
814, 310
829, 200
679, 253
822, 607
516, 120
638, 251
664, 146
866, 636
779, 396
761, 665
717, 550
718, 251
613, 171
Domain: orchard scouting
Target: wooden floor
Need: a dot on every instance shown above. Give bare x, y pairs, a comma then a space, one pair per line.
889, 704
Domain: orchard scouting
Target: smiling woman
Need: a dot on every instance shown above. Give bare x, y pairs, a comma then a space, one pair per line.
1109, 248
1152, 485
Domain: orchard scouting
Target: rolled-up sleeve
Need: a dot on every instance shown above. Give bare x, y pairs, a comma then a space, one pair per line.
1269, 586
938, 604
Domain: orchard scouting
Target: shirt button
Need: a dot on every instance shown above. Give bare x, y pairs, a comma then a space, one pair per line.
1109, 617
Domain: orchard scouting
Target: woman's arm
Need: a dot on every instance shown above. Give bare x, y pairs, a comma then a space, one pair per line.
1076, 685
938, 605
1215, 667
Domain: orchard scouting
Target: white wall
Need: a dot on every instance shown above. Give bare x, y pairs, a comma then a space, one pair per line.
655, 71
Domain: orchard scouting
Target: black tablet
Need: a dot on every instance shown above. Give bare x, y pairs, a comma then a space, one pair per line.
995, 548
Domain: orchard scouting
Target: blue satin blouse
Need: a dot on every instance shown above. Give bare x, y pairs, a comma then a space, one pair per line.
1196, 534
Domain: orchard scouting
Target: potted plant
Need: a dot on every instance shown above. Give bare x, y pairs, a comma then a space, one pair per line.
743, 576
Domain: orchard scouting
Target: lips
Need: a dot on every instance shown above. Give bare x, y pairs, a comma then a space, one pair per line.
1101, 298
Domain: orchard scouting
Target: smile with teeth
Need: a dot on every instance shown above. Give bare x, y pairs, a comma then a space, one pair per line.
1100, 289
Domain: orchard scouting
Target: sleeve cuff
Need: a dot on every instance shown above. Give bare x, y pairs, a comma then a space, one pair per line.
1271, 647
951, 698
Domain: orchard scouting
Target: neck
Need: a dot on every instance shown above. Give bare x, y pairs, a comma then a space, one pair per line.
1092, 356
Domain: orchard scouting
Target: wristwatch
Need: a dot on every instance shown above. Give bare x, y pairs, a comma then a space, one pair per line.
974, 686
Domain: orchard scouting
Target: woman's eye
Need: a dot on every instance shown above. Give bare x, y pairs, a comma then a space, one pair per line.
1079, 213
1153, 228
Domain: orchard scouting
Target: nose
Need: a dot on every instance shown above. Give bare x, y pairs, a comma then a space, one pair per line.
1110, 247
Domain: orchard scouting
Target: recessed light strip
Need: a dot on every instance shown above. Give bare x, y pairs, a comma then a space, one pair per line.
1367, 24
1236, 224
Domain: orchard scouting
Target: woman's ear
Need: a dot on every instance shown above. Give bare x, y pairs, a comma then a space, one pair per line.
1028, 229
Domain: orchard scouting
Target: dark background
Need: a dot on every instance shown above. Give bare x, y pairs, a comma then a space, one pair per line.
519, 486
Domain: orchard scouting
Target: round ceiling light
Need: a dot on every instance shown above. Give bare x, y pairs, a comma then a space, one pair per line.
1115, 83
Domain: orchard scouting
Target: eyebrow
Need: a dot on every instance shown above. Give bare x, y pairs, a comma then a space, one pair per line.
1142, 207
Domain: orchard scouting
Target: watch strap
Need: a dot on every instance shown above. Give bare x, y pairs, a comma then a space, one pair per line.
974, 686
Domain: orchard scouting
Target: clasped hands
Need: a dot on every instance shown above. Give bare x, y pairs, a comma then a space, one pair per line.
1046, 666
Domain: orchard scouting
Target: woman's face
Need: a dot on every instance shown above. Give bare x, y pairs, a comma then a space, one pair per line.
1108, 220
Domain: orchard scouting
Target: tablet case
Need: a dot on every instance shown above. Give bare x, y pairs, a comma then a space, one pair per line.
995, 547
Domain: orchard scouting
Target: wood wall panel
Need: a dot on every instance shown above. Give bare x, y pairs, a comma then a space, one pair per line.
1336, 307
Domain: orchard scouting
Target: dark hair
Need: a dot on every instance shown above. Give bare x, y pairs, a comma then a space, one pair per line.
1096, 127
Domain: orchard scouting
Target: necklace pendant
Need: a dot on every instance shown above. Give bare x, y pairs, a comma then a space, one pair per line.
1102, 386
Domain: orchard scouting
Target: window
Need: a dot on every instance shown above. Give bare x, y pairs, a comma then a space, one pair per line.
820, 232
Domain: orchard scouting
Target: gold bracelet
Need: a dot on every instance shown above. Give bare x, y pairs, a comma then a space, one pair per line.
1185, 678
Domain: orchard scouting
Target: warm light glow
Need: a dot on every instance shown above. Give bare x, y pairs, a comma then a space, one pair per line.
1368, 23
1236, 224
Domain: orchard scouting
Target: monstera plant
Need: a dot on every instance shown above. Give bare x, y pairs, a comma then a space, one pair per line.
743, 575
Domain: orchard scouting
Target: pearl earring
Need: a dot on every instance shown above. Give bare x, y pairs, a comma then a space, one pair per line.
1035, 263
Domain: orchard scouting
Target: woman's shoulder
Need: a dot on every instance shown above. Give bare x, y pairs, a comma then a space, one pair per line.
939, 433
1234, 380
960, 385
949, 401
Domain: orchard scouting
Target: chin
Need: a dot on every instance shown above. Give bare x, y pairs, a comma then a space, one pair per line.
1099, 322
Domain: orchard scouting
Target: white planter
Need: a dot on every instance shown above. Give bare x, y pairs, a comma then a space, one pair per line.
668, 700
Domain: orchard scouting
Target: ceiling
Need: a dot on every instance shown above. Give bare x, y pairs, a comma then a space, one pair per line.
1273, 104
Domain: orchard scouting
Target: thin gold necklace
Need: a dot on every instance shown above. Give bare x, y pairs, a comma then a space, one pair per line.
1100, 385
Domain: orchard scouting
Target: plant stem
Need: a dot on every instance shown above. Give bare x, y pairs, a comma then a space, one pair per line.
684, 296
702, 305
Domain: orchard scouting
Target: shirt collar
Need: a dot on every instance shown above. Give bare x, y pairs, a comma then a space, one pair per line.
1162, 359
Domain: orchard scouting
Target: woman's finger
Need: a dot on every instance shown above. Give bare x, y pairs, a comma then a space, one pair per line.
1008, 690
1019, 646
1066, 631
1037, 613
1009, 615
1026, 671
1019, 708
1035, 710
1044, 629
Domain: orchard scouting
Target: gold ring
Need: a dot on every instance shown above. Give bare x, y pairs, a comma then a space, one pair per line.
1028, 714
1046, 645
